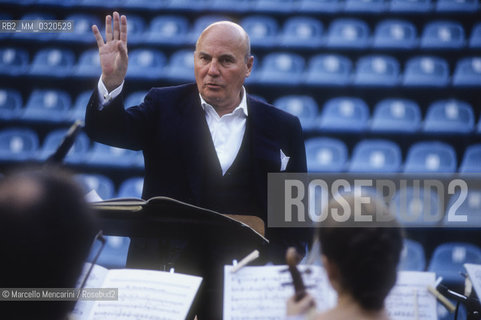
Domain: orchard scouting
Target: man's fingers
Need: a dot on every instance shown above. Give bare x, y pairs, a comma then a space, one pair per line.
116, 26
123, 29
98, 36
123, 50
108, 28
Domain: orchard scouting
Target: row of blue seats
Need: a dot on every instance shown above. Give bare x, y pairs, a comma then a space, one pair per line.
279, 68
341, 114
264, 31
280, 6
22, 144
323, 154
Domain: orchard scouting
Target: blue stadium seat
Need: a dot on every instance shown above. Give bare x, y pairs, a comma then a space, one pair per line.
238, 6
189, 5
65, 3
471, 159
88, 64
10, 104
200, 24
415, 6
320, 6
131, 188
36, 36
303, 107
53, 62
377, 70
348, 33
13, 61
145, 64
429, 157
145, 4
371, 6
98, 182
136, 27
443, 35
47, 106
18, 144
466, 205
468, 72
475, 39
412, 256
417, 207
281, 68
167, 30
449, 116
102, 155
82, 31
101, 4
53, 140
426, 71
78, 109
344, 114
329, 70
262, 30
396, 115
113, 255
302, 32
448, 261
457, 5
181, 66
326, 155
274, 6
376, 155
134, 99
395, 34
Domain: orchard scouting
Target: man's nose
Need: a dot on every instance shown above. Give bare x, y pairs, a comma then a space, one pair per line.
213, 68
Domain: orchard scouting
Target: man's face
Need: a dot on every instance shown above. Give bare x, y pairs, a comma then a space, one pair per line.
221, 67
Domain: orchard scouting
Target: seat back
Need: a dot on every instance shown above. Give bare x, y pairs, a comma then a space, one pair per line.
426, 71
76, 153
168, 29
348, 33
100, 183
53, 62
10, 104
443, 34
48, 106
377, 70
325, 155
13, 61
472, 159
449, 116
344, 114
376, 156
468, 72
18, 144
302, 32
181, 66
131, 188
396, 34
281, 68
430, 157
412, 256
303, 107
396, 115
262, 30
329, 69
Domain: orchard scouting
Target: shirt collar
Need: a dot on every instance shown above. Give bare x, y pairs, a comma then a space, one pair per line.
242, 105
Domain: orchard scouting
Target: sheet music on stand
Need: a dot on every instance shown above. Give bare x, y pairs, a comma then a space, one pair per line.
261, 293
142, 294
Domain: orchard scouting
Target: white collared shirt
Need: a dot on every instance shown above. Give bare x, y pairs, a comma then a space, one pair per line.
227, 131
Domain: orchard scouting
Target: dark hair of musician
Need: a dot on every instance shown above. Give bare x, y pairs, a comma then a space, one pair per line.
46, 230
366, 257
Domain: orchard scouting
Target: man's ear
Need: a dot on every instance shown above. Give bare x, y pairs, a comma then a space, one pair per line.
250, 65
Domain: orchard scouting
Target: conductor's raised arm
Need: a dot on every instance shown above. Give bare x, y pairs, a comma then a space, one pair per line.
113, 52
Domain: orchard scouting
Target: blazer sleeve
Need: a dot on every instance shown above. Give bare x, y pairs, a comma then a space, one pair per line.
113, 125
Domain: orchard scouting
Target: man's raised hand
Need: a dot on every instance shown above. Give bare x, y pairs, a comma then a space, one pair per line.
113, 52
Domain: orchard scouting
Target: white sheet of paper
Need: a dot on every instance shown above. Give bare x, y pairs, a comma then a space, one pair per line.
401, 302
474, 272
261, 292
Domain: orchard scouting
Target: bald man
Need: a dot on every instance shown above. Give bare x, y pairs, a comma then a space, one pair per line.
209, 143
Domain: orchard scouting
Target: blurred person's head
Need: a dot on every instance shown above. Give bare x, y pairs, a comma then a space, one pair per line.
46, 230
362, 261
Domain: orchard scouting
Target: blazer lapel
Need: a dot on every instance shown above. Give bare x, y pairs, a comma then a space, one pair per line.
191, 128
265, 154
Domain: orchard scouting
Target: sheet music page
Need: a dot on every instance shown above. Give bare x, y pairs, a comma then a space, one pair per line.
474, 272
82, 308
410, 297
261, 292
147, 294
